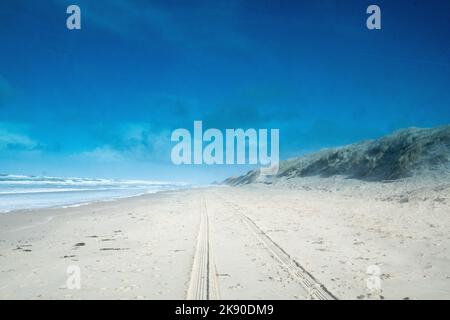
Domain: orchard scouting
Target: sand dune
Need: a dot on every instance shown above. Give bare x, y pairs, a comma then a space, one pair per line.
405, 153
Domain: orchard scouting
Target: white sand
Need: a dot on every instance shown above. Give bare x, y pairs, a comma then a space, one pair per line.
144, 247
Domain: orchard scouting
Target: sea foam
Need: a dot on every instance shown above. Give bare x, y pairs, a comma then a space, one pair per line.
29, 192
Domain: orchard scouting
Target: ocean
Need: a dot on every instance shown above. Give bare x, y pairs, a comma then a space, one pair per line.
31, 192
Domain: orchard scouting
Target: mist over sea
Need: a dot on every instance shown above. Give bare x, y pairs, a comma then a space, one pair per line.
30, 192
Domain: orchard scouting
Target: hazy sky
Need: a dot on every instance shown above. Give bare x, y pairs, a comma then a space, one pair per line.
103, 101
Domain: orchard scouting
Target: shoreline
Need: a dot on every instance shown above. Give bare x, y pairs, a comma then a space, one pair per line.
83, 203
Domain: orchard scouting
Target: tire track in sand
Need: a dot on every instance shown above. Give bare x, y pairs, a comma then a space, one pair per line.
203, 283
314, 289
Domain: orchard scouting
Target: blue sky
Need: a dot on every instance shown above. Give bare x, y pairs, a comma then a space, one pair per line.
103, 101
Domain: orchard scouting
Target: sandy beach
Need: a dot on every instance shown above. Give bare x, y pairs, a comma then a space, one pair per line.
308, 239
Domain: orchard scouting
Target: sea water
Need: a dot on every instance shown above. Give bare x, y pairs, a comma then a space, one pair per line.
31, 192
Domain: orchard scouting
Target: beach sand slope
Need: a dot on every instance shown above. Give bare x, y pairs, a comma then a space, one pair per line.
313, 238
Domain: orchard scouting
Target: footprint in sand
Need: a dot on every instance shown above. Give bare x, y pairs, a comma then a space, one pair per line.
80, 244
21, 247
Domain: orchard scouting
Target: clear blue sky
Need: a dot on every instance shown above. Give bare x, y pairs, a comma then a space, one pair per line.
103, 101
